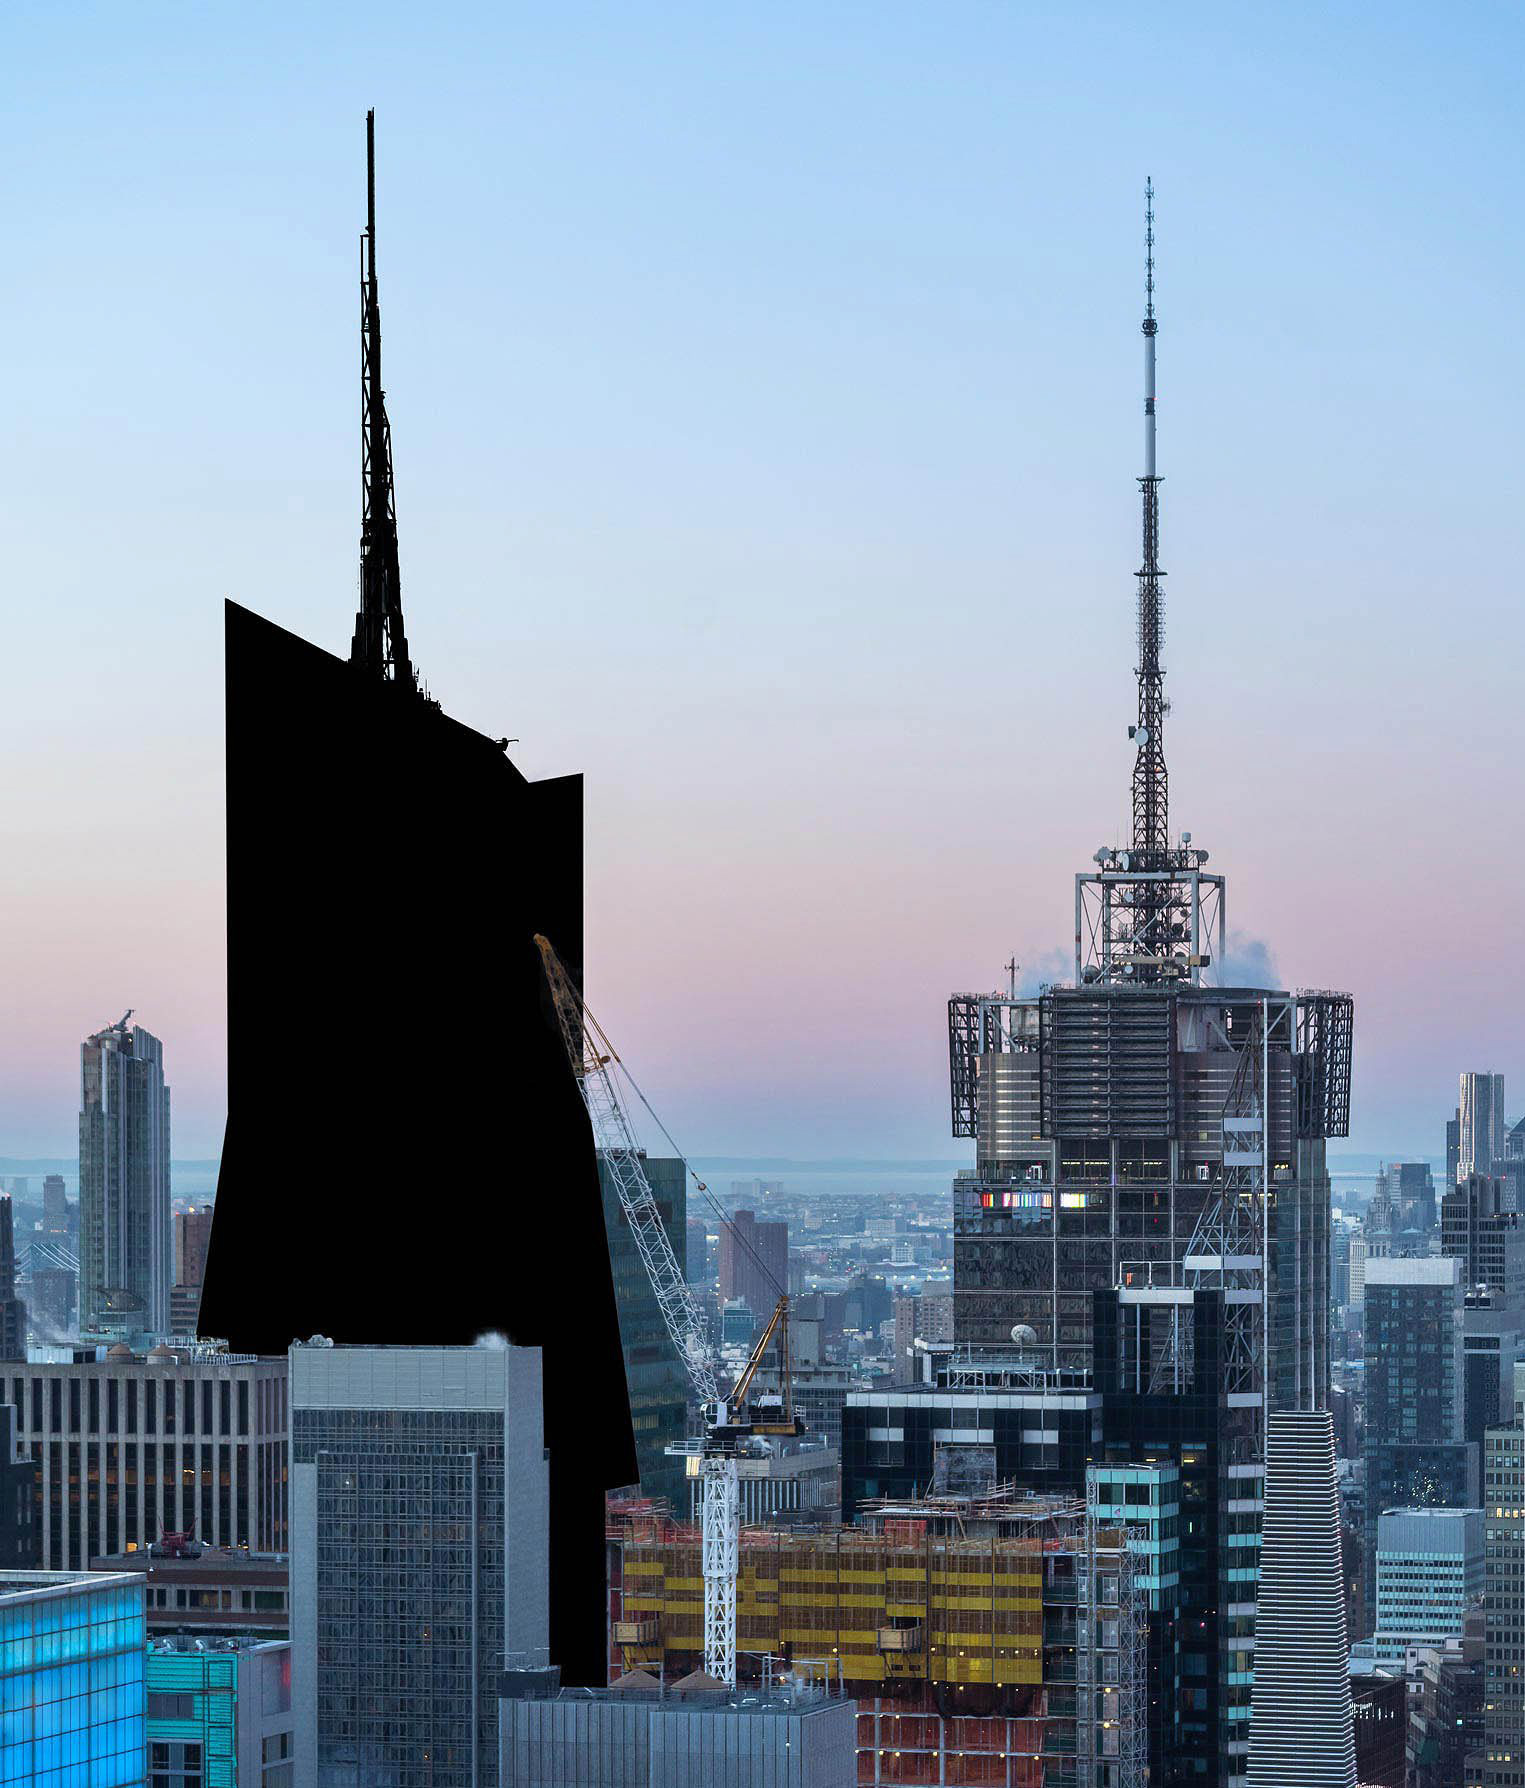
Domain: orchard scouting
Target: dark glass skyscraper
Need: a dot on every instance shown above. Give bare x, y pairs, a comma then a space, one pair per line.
1416, 1453
654, 1375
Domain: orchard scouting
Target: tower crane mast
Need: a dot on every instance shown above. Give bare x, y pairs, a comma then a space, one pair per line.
729, 1420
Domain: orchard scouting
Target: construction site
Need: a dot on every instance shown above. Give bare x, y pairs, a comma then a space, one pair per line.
995, 1640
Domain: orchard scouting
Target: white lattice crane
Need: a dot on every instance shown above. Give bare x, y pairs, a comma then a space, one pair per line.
730, 1419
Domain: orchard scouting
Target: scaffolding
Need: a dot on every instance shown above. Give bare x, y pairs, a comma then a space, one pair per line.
1008, 1659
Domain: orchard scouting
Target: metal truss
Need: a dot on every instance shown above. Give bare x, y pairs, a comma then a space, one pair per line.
1325, 1023
721, 1537
1148, 916
983, 1024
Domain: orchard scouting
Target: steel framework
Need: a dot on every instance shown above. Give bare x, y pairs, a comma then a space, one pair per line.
1325, 1022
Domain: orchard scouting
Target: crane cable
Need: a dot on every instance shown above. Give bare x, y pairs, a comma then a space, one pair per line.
713, 1202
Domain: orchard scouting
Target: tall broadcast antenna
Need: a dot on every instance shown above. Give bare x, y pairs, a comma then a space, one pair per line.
380, 645
1151, 780
1150, 913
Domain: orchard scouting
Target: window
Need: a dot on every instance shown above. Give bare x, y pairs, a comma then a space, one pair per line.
164, 1706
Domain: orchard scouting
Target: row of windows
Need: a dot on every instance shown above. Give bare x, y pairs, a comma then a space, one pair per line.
102, 1404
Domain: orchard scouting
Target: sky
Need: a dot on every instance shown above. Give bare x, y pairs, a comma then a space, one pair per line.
766, 395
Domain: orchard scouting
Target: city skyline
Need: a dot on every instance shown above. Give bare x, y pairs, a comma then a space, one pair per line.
857, 408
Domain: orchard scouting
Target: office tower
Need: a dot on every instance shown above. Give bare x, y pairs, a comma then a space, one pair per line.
1411, 1184
123, 1448
1493, 1338
655, 1378
1359, 1253
1453, 1147
13, 1319
738, 1323
124, 1230
1416, 1451
1134, 1118
697, 1260
1429, 1573
393, 989
193, 1234
1486, 1237
1158, 1366
419, 1512
1480, 1138
55, 1205
754, 1261
1498, 1763
73, 1651
219, 1712
1302, 1733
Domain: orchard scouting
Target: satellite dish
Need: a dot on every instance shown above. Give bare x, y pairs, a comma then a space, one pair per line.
1025, 1335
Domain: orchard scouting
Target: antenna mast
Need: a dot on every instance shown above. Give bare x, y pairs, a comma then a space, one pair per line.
1149, 913
1151, 780
380, 645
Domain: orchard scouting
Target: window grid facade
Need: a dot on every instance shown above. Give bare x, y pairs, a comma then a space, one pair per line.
410, 1572
126, 1450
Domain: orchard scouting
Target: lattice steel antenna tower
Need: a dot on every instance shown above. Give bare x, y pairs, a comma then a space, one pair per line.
380, 645
1151, 780
1150, 915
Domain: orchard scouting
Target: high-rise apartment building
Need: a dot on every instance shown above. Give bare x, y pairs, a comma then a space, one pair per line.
1480, 1119
125, 1447
754, 1261
125, 1262
419, 1516
1416, 1451
655, 1377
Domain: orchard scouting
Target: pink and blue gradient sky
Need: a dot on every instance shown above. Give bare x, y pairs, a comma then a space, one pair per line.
766, 391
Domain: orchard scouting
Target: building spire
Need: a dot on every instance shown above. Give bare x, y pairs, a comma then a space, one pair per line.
1151, 781
380, 645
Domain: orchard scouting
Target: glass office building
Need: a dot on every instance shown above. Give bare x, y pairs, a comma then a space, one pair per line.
72, 1679
654, 1375
420, 1506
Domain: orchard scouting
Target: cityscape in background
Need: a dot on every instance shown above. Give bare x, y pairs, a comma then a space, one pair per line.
1155, 1438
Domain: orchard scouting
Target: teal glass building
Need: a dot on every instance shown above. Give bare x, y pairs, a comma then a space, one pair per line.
72, 1695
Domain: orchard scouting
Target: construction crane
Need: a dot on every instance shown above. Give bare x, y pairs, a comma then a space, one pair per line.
733, 1418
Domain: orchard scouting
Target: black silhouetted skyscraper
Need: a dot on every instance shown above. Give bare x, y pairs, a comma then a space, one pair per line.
388, 1030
